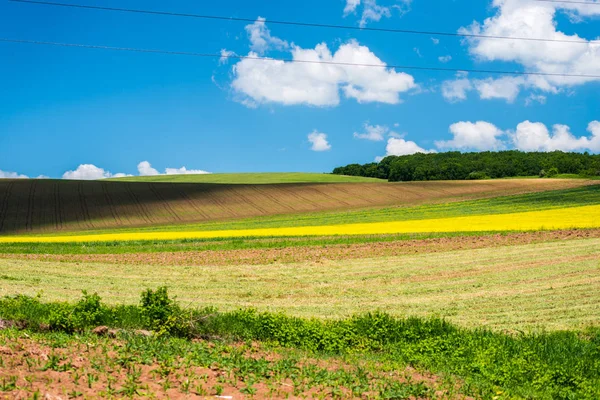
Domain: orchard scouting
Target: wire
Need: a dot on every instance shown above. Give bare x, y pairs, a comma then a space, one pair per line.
305, 24
288, 60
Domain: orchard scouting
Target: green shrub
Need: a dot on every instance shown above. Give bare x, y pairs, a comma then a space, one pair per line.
552, 172
87, 312
163, 314
477, 175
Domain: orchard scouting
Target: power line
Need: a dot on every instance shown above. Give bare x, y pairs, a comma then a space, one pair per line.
305, 24
289, 60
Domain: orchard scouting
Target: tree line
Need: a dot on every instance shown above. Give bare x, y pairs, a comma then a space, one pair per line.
484, 165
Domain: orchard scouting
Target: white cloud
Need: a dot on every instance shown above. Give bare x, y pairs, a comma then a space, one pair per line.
12, 175
445, 59
145, 169
502, 88
535, 136
375, 133
506, 88
371, 11
225, 56
456, 90
480, 136
525, 18
185, 171
535, 98
435, 41
351, 6
88, 172
318, 141
401, 147
320, 84
261, 39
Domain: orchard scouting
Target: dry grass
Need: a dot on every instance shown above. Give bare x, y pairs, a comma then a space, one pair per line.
38, 206
550, 285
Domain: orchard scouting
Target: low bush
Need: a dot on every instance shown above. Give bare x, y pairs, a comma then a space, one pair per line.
477, 175
559, 365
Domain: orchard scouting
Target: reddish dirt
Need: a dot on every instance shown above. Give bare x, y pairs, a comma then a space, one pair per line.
316, 253
25, 363
51, 205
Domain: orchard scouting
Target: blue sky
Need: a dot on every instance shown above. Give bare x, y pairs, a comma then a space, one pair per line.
65, 107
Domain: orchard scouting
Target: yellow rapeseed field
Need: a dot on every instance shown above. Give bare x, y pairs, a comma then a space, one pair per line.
565, 218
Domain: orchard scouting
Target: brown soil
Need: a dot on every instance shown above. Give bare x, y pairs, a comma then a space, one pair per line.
59, 206
316, 253
37, 368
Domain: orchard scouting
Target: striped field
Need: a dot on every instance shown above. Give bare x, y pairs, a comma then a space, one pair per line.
554, 219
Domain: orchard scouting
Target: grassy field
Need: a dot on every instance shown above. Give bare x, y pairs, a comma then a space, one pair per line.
550, 285
265, 355
251, 178
547, 200
416, 290
553, 219
38, 206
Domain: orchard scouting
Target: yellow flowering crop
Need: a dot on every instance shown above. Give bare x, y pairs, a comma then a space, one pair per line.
565, 218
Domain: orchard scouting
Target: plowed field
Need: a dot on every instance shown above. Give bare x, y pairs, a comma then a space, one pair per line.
39, 206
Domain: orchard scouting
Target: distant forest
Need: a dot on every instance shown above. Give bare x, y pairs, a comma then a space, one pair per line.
484, 165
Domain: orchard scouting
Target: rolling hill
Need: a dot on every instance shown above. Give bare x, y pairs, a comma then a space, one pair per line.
46, 206
253, 178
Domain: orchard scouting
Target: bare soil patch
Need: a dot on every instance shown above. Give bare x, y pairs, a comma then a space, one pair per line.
108, 369
316, 253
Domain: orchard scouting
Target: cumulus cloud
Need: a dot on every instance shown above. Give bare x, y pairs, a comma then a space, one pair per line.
12, 175
456, 90
375, 133
506, 88
401, 147
318, 141
146, 169
445, 59
525, 18
185, 171
261, 39
351, 6
274, 81
371, 11
89, 172
480, 136
535, 98
535, 136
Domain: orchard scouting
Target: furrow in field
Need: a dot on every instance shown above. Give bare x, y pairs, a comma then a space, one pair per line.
7, 190
47, 205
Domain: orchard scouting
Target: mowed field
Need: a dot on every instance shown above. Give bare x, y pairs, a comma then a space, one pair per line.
46, 206
551, 285
428, 290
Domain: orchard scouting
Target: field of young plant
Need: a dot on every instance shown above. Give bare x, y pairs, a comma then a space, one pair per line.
427, 296
59, 206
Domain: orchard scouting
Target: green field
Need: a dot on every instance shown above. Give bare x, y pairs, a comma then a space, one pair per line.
582, 196
493, 287
498, 316
251, 178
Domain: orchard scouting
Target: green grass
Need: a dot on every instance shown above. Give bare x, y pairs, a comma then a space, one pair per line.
587, 195
546, 285
252, 178
161, 246
365, 348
